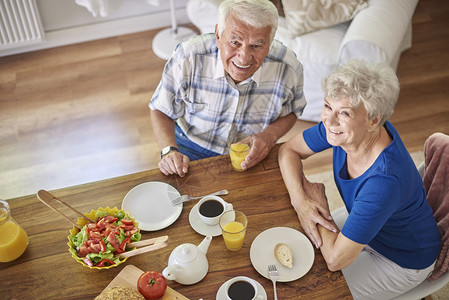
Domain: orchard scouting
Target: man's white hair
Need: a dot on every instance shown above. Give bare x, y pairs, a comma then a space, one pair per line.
255, 13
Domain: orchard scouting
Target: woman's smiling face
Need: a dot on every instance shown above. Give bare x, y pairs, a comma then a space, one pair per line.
345, 125
242, 48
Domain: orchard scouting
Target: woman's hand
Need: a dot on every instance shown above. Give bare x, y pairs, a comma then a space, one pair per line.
174, 163
314, 210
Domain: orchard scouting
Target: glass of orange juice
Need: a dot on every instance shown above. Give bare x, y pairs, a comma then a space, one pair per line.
233, 225
239, 146
13, 239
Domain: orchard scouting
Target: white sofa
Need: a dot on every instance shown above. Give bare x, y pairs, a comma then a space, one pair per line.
378, 33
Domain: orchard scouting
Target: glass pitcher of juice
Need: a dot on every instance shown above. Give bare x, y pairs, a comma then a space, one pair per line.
13, 239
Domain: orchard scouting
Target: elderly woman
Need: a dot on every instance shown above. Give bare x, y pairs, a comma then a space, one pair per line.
390, 240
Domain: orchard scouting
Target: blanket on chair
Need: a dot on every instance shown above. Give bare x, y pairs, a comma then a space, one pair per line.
436, 184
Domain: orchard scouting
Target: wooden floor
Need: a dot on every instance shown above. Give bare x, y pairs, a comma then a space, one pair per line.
80, 113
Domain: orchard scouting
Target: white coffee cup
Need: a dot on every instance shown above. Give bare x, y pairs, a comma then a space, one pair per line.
210, 209
242, 286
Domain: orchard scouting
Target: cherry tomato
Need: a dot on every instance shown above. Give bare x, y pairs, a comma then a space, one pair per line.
152, 285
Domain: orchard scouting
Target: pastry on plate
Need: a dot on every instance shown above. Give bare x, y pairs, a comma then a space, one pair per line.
284, 254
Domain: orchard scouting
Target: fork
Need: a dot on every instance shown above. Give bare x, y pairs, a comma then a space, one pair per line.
274, 275
185, 198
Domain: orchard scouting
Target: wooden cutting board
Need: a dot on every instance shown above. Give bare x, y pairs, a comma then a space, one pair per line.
128, 278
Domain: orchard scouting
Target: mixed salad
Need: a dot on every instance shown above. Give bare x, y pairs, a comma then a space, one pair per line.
98, 244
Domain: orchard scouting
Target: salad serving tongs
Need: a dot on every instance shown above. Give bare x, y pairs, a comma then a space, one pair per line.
46, 198
151, 245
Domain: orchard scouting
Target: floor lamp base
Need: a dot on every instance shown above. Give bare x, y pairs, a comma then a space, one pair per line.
164, 42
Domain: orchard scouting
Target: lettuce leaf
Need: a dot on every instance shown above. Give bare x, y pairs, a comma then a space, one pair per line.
101, 214
80, 237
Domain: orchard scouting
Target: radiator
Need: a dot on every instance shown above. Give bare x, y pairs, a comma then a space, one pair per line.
20, 24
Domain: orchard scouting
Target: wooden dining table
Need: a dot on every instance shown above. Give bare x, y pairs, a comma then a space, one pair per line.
47, 270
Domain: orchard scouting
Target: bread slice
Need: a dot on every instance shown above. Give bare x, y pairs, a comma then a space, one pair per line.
120, 293
284, 255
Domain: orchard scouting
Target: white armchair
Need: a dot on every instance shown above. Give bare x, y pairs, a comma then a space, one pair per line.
378, 33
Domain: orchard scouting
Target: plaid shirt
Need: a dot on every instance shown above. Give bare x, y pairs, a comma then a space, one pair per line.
206, 103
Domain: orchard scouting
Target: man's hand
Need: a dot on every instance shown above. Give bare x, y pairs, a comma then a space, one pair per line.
314, 210
174, 163
262, 144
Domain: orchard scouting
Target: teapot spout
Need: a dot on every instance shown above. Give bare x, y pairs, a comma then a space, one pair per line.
204, 245
170, 272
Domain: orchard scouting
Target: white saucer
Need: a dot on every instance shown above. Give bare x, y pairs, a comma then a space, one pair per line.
199, 226
222, 296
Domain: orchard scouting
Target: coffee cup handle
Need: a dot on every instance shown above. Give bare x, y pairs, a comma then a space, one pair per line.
229, 207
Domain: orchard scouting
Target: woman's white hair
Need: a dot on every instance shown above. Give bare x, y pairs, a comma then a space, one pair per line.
255, 13
374, 85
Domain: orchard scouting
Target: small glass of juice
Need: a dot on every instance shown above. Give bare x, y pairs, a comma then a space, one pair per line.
13, 239
233, 225
239, 146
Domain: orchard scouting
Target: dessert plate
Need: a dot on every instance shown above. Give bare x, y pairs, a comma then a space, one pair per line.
150, 204
262, 253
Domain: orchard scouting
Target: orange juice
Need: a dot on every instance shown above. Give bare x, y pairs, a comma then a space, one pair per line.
13, 239
234, 235
238, 153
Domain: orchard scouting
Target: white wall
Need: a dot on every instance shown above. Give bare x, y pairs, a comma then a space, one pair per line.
64, 22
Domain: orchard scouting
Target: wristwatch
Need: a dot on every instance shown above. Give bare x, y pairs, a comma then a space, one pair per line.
167, 150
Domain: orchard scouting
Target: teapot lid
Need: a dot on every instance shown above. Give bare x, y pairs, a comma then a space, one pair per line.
186, 253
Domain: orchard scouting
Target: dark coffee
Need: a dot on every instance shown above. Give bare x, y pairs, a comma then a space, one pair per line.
241, 290
211, 208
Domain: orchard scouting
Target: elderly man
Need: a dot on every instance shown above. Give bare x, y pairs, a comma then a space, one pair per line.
236, 80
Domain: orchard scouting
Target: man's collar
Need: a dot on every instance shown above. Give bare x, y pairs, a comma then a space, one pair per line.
219, 68
257, 75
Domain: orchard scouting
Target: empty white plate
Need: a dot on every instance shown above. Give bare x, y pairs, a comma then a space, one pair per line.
150, 204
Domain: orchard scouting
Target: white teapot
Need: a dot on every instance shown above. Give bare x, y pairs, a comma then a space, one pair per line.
187, 263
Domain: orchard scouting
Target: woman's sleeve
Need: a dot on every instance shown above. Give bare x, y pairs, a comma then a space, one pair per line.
315, 138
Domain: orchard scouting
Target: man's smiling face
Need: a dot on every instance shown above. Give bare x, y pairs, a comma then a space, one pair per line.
242, 48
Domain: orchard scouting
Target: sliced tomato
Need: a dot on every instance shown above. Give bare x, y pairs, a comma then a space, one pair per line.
94, 248
124, 243
127, 221
110, 219
132, 231
128, 227
116, 231
112, 239
92, 226
101, 224
103, 246
83, 251
95, 234
107, 231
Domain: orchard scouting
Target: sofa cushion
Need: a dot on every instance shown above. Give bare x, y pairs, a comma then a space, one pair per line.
309, 15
